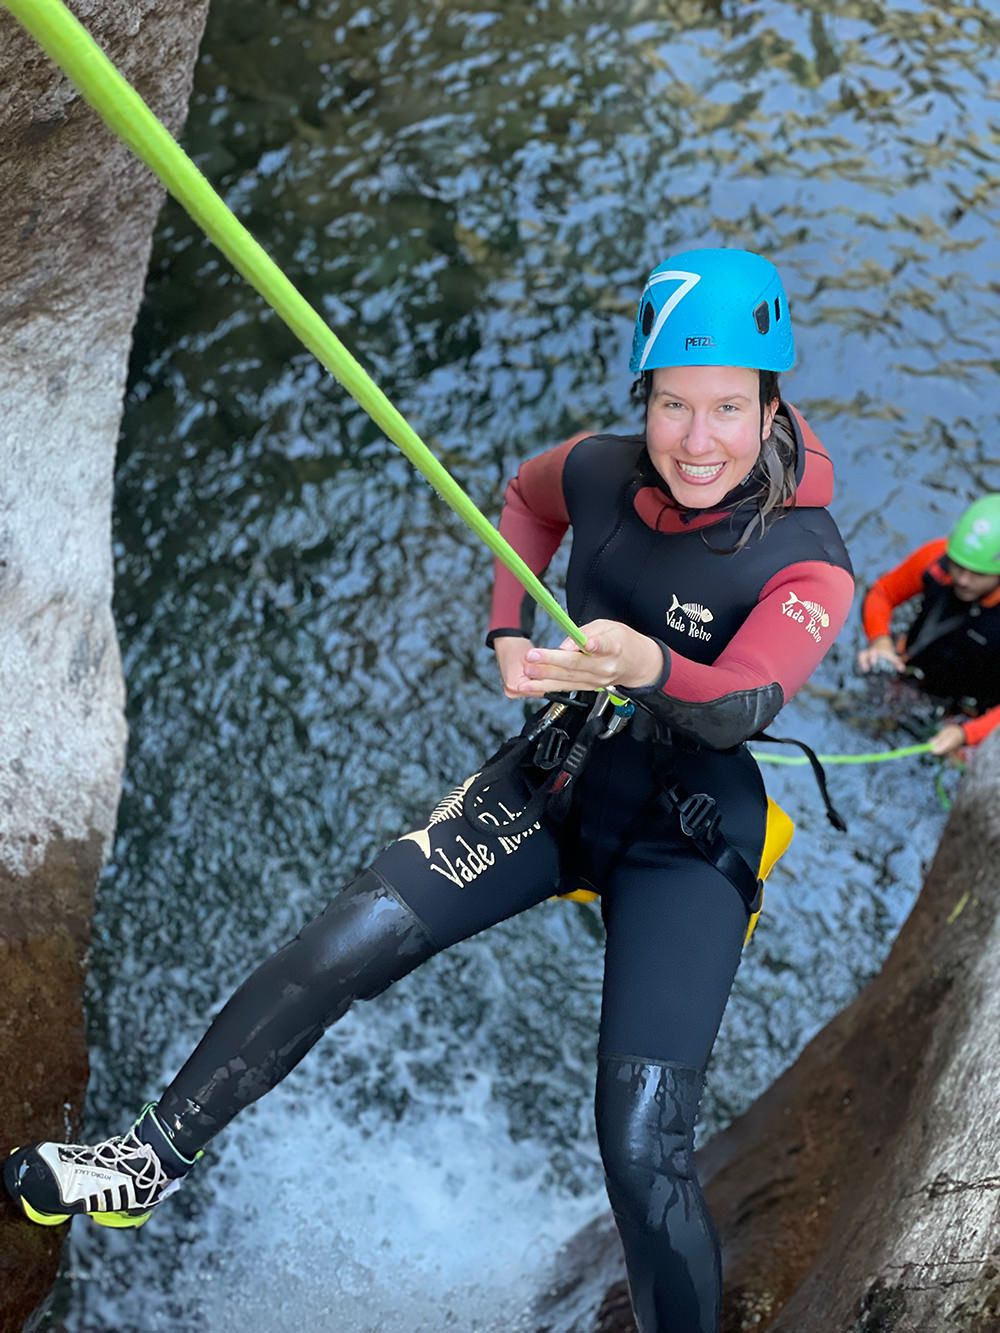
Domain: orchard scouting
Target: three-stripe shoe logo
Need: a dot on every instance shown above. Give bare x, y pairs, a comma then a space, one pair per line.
130, 1178
100, 1189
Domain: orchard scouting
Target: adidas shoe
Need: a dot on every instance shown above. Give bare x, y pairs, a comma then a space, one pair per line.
117, 1183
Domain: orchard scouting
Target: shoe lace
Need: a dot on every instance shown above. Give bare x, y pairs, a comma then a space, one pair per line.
127, 1154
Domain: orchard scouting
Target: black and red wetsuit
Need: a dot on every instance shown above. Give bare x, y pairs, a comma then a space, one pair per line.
741, 630
953, 645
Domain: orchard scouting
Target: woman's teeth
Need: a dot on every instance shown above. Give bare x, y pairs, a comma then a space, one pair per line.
700, 472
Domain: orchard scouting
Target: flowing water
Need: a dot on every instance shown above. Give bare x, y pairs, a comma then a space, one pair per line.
472, 195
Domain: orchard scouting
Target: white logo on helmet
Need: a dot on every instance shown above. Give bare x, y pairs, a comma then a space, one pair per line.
688, 282
980, 530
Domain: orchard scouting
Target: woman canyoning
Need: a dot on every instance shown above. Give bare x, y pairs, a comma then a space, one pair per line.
710, 581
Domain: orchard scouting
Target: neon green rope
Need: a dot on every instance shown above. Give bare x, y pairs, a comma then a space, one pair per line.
877, 757
942, 795
76, 53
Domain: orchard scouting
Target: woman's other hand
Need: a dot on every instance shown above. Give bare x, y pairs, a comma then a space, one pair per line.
510, 651
614, 655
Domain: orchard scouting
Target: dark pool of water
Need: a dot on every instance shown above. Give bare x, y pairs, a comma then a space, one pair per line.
472, 195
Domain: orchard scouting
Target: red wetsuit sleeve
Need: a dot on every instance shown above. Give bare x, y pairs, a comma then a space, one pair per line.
534, 520
976, 729
800, 612
897, 586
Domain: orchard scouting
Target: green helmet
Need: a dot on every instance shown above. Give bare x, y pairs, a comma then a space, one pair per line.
975, 538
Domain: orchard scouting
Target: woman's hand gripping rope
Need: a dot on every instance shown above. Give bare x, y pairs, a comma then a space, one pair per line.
614, 654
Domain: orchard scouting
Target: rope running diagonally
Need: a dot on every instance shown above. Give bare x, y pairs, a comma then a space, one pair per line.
73, 49
76, 53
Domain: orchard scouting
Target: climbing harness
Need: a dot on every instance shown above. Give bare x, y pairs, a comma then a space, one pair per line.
550, 754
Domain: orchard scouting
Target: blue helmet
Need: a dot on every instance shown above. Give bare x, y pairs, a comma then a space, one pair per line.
713, 308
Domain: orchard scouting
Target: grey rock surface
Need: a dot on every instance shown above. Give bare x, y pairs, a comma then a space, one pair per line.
76, 217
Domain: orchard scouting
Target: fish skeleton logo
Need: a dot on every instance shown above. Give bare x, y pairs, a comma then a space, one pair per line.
449, 808
697, 615
810, 614
454, 857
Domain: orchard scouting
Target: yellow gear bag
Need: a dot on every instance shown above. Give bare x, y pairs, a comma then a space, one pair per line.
778, 834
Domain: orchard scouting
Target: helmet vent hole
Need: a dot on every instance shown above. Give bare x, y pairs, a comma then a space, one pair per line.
647, 318
777, 308
762, 317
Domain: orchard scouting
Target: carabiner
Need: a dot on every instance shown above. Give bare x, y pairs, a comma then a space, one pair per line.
620, 719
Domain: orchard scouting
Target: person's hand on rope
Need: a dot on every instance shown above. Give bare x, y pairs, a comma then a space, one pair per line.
948, 741
880, 655
614, 654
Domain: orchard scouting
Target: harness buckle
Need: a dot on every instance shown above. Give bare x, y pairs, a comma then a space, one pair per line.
551, 748
699, 817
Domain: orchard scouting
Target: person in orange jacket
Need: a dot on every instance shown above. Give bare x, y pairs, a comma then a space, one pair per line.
953, 646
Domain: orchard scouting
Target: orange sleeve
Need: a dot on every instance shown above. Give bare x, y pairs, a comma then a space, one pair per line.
898, 586
978, 728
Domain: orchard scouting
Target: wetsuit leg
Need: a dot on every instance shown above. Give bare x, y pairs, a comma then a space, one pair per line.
430, 889
645, 1118
674, 939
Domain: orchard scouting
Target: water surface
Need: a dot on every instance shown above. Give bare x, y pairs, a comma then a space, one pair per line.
472, 195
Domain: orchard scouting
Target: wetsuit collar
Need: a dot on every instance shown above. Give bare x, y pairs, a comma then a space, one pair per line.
656, 505
676, 516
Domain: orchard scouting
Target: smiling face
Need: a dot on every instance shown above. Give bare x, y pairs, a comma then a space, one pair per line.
703, 430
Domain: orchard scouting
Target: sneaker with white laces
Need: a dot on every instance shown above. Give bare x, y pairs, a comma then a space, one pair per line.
117, 1183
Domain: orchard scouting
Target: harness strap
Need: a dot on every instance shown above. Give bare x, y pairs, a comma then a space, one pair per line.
546, 746
700, 821
936, 626
819, 773
561, 787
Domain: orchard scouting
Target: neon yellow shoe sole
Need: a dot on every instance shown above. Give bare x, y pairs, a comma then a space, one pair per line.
120, 1221
43, 1219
